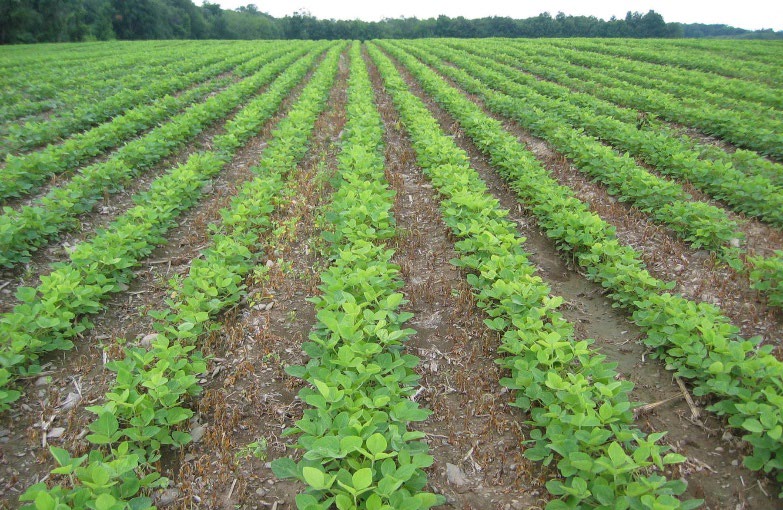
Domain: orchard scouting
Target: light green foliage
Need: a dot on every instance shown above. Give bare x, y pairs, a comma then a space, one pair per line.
694, 339
766, 276
146, 410
580, 413
359, 452
54, 312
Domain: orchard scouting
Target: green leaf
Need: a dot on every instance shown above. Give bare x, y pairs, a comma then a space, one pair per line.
753, 425
43, 501
350, 444
26, 294
616, 453
362, 479
376, 444
105, 502
104, 429
674, 458
322, 387
177, 414
394, 300
61, 455
603, 493
306, 501
557, 504
100, 475
344, 502
140, 503
754, 462
314, 477
284, 467
374, 502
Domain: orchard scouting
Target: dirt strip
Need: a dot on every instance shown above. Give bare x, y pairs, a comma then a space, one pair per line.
249, 400
713, 470
106, 210
76, 379
697, 273
473, 433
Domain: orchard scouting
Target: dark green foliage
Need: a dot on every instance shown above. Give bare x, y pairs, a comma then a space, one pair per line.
31, 21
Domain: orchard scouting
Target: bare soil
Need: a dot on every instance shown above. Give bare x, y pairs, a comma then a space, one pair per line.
103, 212
714, 470
76, 379
474, 434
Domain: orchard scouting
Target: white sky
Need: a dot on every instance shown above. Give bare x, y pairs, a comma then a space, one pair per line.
749, 14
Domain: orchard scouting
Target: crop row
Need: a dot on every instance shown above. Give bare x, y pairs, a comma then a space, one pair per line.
64, 88
63, 84
761, 51
54, 312
23, 231
717, 90
694, 339
24, 58
756, 196
747, 162
38, 132
736, 127
701, 224
32, 68
20, 84
22, 174
146, 408
739, 67
359, 452
581, 414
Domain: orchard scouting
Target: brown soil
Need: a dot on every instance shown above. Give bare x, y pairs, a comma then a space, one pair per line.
104, 212
249, 400
62, 177
472, 426
696, 272
713, 469
24, 460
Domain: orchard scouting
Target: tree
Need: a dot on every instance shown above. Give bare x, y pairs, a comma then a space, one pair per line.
136, 19
652, 25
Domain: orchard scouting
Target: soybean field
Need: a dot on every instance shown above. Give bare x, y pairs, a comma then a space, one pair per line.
396, 274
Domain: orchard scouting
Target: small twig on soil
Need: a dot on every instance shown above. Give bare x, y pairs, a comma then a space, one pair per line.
688, 399
649, 407
158, 262
762, 488
701, 464
469, 455
4, 285
231, 491
45, 428
34, 376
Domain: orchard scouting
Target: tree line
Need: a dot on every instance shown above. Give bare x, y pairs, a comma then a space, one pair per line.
31, 21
